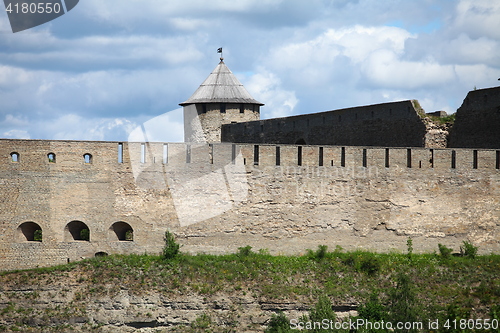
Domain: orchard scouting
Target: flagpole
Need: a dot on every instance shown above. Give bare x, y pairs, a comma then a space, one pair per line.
219, 50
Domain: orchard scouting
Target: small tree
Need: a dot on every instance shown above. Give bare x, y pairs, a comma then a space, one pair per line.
321, 311
403, 302
279, 323
171, 248
37, 236
468, 250
85, 234
445, 251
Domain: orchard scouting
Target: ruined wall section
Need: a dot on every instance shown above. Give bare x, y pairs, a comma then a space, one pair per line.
396, 124
219, 197
477, 120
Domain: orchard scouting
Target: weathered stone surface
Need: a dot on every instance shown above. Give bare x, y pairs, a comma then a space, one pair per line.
230, 196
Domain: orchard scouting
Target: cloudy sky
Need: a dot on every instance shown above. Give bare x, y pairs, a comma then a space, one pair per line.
106, 67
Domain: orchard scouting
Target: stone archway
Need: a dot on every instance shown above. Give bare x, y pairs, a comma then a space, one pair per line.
29, 231
76, 230
122, 231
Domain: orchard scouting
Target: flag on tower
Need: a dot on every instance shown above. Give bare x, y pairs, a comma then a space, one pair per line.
219, 50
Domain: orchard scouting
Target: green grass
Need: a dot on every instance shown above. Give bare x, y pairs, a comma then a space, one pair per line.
442, 284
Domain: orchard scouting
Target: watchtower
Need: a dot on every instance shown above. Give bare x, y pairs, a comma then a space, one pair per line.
220, 99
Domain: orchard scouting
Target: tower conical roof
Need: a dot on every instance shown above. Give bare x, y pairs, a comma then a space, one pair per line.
221, 86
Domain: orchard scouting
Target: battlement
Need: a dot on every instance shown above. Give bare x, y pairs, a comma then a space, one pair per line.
91, 156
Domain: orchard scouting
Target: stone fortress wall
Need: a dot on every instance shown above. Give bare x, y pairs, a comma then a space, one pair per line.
395, 124
478, 120
218, 197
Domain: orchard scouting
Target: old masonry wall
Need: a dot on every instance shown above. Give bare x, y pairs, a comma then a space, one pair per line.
219, 197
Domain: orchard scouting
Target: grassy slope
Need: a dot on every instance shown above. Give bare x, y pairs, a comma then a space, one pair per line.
468, 287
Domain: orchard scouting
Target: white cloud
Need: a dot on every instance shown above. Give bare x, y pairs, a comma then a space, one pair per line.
265, 86
478, 18
385, 69
16, 134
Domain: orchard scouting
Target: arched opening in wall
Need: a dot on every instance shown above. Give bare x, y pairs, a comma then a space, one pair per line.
51, 157
30, 231
77, 230
87, 158
123, 231
14, 157
101, 254
300, 142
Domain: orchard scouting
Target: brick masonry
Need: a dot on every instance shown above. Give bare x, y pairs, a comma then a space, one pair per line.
218, 197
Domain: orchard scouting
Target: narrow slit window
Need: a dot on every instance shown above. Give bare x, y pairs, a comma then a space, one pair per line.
188, 154
474, 159
365, 162
165, 154
278, 155
497, 164
320, 162
256, 155
432, 158
408, 158
120, 153
453, 159
342, 157
233, 154
211, 153
387, 157
143, 153
299, 155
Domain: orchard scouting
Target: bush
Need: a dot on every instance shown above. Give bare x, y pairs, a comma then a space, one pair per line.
321, 311
468, 250
403, 302
171, 248
37, 236
373, 310
279, 323
85, 234
319, 254
409, 246
370, 265
444, 251
245, 251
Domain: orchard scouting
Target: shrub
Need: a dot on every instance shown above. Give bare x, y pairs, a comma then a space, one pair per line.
403, 302
468, 250
373, 310
85, 234
171, 248
409, 246
319, 254
370, 265
245, 251
444, 251
37, 236
321, 311
279, 323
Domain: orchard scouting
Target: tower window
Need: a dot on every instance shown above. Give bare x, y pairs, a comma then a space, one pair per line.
223, 107
242, 108
51, 157
87, 158
204, 108
14, 157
